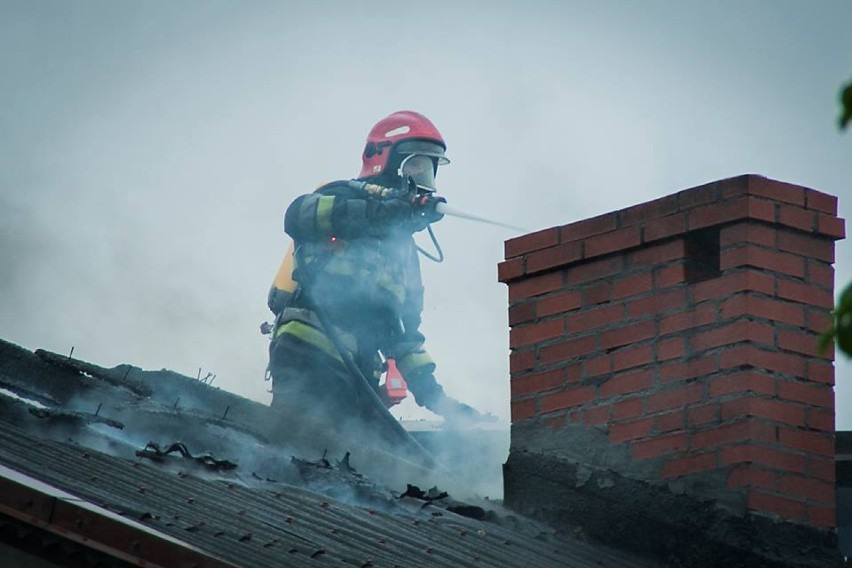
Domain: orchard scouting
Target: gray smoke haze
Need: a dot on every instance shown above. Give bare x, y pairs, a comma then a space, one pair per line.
148, 151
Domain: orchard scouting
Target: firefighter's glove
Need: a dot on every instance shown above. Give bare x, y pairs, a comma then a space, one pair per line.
390, 213
457, 414
426, 211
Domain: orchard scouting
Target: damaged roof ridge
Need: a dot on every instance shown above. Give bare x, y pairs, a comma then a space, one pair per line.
110, 376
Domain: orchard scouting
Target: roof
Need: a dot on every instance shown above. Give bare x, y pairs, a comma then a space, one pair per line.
227, 495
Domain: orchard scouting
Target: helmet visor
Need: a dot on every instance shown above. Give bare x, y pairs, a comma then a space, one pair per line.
423, 147
421, 169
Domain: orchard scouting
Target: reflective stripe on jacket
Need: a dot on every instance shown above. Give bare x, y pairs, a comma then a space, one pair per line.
366, 282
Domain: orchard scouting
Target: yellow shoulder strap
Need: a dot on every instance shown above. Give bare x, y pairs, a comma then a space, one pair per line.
284, 278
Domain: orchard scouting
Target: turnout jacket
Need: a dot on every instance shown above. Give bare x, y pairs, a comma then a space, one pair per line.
362, 274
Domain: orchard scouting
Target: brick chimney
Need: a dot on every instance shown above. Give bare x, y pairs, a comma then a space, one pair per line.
667, 393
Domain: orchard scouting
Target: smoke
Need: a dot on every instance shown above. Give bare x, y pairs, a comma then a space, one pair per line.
146, 167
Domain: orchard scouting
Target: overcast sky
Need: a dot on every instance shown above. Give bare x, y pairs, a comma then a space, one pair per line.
148, 151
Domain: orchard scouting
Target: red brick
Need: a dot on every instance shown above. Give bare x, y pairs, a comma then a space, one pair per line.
567, 399
672, 348
657, 303
654, 255
597, 317
805, 488
559, 303
742, 431
776, 190
628, 383
588, 227
556, 422
618, 240
761, 210
686, 465
536, 383
731, 210
573, 372
633, 357
597, 366
632, 285
819, 320
734, 186
761, 455
747, 232
751, 476
649, 211
821, 372
820, 419
626, 409
751, 356
806, 245
678, 371
695, 317
831, 226
523, 409
632, 333
625, 431
596, 269
664, 227
822, 516
671, 275
510, 269
704, 414
521, 313
796, 217
532, 241
521, 361
677, 397
699, 195
805, 293
659, 446
729, 284
758, 257
804, 343
596, 416
822, 468
806, 441
599, 293
815, 395
571, 348
820, 273
821, 201
769, 503
535, 286
553, 257
735, 332
671, 421
743, 381
767, 308
533, 333
764, 408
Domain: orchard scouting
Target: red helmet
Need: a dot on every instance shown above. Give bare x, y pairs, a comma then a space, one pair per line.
402, 133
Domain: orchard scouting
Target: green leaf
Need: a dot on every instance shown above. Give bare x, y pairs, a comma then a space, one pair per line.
840, 332
846, 106
843, 321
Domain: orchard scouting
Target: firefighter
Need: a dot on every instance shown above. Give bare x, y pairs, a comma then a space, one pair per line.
349, 295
